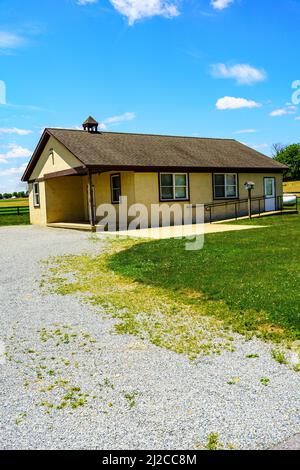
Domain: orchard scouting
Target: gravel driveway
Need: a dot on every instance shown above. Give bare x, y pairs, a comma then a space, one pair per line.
125, 393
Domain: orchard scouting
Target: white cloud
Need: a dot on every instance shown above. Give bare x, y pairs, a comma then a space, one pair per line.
117, 119
246, 131
284, 111
2, 92
137, 9
259, 146
221, 4
243, 74
14, 151
13, 171
228, 102
297, 118
14, 130
10, 40
86, 2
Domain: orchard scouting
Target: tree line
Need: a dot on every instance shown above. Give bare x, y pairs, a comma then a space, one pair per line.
290, 156
19, 194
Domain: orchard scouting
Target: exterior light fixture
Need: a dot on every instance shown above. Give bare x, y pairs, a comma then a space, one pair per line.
249, 186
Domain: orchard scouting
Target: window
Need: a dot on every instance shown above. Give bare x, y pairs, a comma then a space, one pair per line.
115, 188
174, 187
225, 186
36, 194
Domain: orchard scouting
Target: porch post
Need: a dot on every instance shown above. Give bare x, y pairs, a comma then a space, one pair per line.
91, 200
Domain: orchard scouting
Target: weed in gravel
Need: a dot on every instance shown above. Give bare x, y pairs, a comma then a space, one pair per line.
252, 356
265, 381
20, 418
234, 381
130, 397
279, 356
107, 383
162, 317
57, 390
70, 396
213, 442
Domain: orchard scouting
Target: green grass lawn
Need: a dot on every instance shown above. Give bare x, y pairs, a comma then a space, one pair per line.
191, 301
255, 273
22, 219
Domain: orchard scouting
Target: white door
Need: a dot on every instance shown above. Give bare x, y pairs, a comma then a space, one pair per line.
270, 195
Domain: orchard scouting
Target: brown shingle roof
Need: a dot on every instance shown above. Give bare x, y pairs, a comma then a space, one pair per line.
111, 150
90, 120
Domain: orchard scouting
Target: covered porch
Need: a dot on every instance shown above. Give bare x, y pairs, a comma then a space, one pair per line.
70, 200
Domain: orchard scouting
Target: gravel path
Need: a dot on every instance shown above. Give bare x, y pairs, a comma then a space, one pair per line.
62, 354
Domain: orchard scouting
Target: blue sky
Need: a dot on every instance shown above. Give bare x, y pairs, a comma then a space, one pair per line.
211, 68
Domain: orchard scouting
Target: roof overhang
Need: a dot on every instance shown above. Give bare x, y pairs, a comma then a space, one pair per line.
85, 168
186, 169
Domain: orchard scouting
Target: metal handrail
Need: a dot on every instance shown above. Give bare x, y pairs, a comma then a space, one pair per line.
279, 205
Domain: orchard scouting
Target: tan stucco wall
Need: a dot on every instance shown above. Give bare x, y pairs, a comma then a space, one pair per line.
63, 160
37, 214
56, 198
228, 211
64, 201
65, 198
101, 183
60, 200
258, 179
147, 190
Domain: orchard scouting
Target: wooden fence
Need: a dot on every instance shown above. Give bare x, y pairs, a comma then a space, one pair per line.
17, 210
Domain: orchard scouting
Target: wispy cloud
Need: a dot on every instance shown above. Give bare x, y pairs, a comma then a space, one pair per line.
13, 171
14, 151
117, 120
259, 146
243, 74
10, 40
290, 109
86, 2
245, 131
135, 10
221, 4
2, 92
14, 130
229, 102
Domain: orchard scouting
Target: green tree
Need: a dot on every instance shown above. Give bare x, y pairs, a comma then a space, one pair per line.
290, 156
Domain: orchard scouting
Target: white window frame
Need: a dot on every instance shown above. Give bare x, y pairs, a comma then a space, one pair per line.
36, 194
226, 196
186, 198
112, 177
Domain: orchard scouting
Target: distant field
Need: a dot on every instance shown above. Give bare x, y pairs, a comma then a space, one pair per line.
291, 186
22, 202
